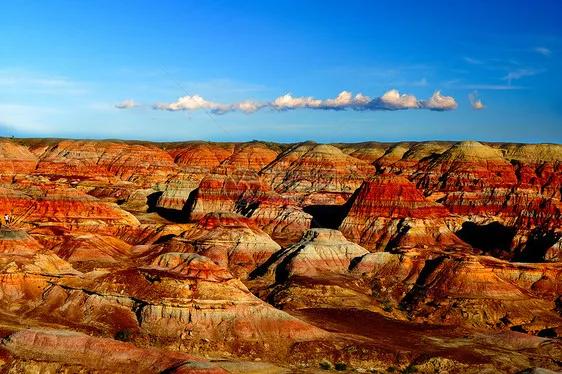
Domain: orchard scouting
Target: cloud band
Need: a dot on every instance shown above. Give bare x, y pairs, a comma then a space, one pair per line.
391, 100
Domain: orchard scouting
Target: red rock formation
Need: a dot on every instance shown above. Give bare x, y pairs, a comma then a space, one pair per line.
195, 161
200, 155
487, 292
65, 207
90, 250
198, 160
142, 164
18, 242
77, 352
388, 209
407, 163
313, 273
245, 193
231, 241
180, 299
100, 244
223, 191
320, 253
316, 174
467, 166
477, 181
15, 160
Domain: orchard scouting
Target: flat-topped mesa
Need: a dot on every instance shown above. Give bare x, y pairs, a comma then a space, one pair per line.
314, 174
144, 165
232, 241
388, 209
15, 160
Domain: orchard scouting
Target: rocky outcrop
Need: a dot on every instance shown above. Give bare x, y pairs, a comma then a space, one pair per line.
179, 299
230, 240
89, 250
77, 352
316, 174
61, 206
143, 164
320, 253
15, 160
198, 160
487, 292
246, 193
314, 272
388, 211
511, 186
467, 166
447, 256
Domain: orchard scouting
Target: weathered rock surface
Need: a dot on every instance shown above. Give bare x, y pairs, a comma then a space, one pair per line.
232, 241
314, 273
77, 352
447, 256
388, 211
144, 164
245, 193
316, 174
15, 160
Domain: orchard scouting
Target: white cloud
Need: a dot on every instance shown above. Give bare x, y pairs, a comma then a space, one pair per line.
247, 106
390, 100
194, 102
476, 103
394, 100
521, 73
127, 104
440, 102
543, 51
287, 101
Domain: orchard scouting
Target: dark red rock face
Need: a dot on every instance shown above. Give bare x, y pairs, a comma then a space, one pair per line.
146, 257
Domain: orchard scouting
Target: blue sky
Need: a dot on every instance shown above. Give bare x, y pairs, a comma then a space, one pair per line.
65, 66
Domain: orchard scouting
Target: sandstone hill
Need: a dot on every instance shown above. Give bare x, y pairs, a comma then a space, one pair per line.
197, 257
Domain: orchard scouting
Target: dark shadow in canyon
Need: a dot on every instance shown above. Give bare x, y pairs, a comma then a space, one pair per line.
326, 216
329, 216
172, 215
537, 245
492, 239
